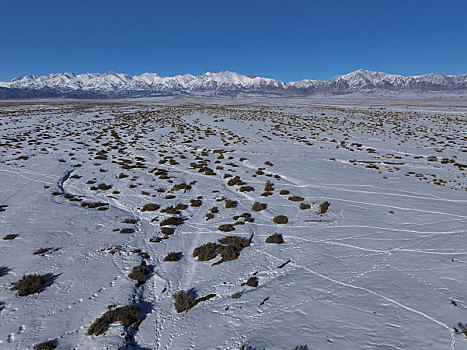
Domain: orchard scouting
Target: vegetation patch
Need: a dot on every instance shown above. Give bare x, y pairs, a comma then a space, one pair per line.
127, 315
29, 284
275, 238
257, 206
280, 219
139, 273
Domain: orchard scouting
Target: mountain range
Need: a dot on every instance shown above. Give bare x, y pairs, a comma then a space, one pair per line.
119, 85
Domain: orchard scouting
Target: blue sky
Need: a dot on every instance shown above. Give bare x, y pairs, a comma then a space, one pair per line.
286, 40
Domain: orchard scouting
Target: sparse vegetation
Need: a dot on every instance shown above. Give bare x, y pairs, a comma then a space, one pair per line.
275, 238
280, 219
127, 315
29, 284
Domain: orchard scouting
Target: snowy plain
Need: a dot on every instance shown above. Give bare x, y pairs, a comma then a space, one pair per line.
383, 268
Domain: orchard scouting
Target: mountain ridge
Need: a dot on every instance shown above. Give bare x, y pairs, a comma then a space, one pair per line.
117, 85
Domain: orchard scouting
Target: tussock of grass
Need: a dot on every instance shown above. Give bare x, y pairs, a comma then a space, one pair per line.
127, 315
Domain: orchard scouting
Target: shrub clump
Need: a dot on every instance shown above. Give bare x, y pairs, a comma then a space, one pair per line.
183, 301
275, 238
173, 256
296, 198
304, 206
29, 284
196, 202
246, 189
173, 220
226, 227
127, 230
284, 192
229, 249
47, 345
139, 273
127, 315
257, 206
280, 219
10, 237
206, 251
230, 204
252, 282
150, 207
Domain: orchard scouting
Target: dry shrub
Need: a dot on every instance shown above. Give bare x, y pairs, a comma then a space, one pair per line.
226, 227
196, 202
209, 216
10, 237
47, 345
296, 198
246, 189
139, 273
103, 186
181, 206
284, 192
235, 181
257, 206
173, 220
323, 207
280, 219
181, 186
170, 210
167, 231
150, 207
275, 238
304, 206
129, 221
29, 284
127, 315
228, 253
214, 210
127, 230
183, 301
237, 242
41, 251
206, 251
173, 256
230, 204
268, 163
155, 239
252, 282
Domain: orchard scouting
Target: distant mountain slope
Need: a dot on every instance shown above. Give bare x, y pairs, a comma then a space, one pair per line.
111, 84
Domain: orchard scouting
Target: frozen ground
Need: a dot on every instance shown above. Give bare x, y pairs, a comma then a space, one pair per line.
384, 268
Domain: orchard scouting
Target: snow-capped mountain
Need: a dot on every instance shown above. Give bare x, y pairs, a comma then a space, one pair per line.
111, 84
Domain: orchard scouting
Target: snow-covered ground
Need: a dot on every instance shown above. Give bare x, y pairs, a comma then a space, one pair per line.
383, 268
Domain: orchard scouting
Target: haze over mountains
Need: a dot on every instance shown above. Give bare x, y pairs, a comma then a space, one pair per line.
118, 85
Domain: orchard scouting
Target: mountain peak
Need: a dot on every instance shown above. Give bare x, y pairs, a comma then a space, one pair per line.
113, 84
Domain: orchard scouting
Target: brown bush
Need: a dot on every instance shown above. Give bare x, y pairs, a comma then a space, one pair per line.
181, 206
167, 231
173, 256
237, 242
9, 237
41, 251
47, 345
103, 186
195, 202
139, 273
173, 220
127, 230
150, 207
257, 206
235, 181
228, 253
246, 189
226, 227
296, 198
214, 210
280, 219
183, 301
284, 192
206, 251
230, 204
252, 282
181, 186
275, 238
304, 206
170, 210
29, 284
129, 221
127, 315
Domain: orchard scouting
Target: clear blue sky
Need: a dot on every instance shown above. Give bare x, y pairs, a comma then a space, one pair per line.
286, 40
